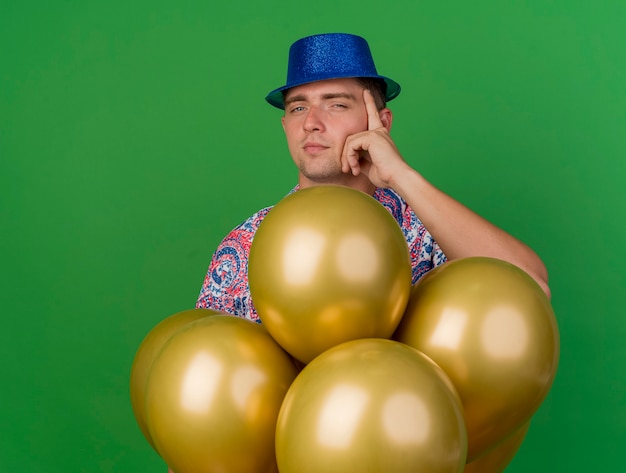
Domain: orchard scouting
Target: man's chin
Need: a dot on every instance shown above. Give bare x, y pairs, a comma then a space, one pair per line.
322, 173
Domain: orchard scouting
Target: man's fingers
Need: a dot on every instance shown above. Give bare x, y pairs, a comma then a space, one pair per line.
357, 146
351, 158
373, 118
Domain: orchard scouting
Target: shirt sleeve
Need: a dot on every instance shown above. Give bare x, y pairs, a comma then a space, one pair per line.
225, 287
424, 250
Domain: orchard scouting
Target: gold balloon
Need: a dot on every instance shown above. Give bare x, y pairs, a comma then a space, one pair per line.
213, 396
327, 265
147, 352
497, 459
370, 406
492, 329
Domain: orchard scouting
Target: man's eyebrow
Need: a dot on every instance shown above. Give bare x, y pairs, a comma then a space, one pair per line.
295, 98
328, 96
338, 95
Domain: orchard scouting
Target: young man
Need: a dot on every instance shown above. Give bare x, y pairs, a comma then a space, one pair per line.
337, 127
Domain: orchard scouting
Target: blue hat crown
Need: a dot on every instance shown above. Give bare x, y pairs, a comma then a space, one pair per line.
329, 56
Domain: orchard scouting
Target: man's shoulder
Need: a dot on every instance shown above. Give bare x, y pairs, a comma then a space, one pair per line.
391, 200
251, 224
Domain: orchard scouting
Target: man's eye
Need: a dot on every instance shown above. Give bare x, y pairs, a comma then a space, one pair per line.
339, 105
296, 109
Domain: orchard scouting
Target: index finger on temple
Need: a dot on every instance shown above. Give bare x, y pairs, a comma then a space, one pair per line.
373, 118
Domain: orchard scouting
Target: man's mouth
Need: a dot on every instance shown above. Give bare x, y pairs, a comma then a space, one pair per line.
314, 148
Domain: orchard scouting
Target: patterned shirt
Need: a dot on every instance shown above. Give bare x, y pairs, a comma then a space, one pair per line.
226, 288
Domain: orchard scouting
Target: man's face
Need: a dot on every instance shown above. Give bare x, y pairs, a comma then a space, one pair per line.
318, 118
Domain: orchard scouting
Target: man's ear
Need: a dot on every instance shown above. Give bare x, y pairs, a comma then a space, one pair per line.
386, 117
282, 122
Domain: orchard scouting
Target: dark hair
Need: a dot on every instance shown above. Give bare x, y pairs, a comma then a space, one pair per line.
377, 87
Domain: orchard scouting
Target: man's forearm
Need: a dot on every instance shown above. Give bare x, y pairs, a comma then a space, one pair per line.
462, 233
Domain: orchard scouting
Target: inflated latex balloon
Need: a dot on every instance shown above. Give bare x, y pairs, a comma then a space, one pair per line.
492, 329
213, 397
497, 459
146, 353
371, 405
328, 264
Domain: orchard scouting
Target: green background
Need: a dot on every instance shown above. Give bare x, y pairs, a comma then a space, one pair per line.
134, 135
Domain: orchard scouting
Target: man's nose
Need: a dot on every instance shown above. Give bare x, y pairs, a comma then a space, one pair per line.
313, 120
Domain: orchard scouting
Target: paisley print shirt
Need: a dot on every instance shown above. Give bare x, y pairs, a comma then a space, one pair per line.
226, 288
